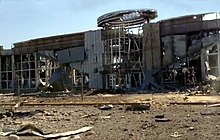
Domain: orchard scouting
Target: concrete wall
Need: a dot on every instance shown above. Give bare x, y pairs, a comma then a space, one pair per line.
151, 46
173, 46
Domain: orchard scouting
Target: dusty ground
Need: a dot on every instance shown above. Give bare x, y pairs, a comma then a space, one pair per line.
186, 121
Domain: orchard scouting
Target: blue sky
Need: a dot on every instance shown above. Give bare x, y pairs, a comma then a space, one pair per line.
22, 20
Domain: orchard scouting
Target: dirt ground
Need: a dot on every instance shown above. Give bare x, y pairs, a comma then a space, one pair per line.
182, 122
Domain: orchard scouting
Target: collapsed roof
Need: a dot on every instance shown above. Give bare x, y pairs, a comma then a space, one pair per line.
131, 17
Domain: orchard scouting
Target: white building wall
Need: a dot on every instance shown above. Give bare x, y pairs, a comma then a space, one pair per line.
93, 63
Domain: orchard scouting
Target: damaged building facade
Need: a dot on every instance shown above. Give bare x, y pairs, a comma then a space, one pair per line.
129, 52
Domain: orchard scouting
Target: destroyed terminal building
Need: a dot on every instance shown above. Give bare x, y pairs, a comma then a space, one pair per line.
129, 52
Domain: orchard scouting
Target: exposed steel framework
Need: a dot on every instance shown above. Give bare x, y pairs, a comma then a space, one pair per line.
129, 17
123, 66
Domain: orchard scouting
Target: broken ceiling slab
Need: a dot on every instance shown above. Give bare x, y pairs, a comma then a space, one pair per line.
60, 80
71, 55
131, 17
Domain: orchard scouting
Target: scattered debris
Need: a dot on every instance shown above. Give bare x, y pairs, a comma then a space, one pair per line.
207, 113
18, 105
147, 125
17, 122
191, 128
90, 133
88, 115
13, 137
70, 103
31, 129
210, 113
60, 80
65, 138
159, 116
105, 117
175, 135
214, 105
76, 137
56, 119
162, 120
194, 103
138, 107
106, 107
185, 98
46, 113
19, 113
81, 130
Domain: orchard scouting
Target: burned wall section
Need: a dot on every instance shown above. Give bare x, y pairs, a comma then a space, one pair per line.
33, 65
25, 71
190, 43
6, 71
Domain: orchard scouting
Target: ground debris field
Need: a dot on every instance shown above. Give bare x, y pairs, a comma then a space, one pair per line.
157, 117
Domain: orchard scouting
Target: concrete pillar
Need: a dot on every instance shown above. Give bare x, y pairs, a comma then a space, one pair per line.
0, 72
218, 46
74, 76
203, 65
29, 71
13, 71
37, 77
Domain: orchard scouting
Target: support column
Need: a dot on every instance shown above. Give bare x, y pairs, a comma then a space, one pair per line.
0, 72
47, 65
218, 46
13, 71
29, 71
21, 76
37, 77
203, 65
74, 77
106, 81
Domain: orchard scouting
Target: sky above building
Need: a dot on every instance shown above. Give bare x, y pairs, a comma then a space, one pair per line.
22, 20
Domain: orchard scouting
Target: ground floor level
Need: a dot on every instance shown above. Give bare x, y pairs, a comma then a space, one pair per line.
163, 120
